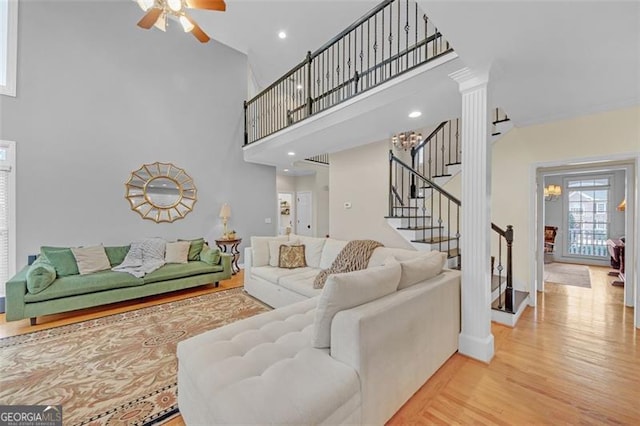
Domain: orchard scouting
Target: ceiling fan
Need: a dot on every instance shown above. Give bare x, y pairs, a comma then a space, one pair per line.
158, 11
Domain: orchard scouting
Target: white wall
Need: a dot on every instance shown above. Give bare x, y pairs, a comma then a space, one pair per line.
360, 176
97, 98
514, 156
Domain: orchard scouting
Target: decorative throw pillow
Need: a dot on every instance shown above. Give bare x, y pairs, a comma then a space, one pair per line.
345, 291
117, 254
260, 249
209, 255
274, 250
421, 268
41, 274
195, 248
91, 259
291, 256
177, 252
62, 260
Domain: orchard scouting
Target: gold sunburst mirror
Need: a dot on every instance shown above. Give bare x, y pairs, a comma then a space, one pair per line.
161, 192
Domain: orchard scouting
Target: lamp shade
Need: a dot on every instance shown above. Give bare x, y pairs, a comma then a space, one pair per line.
225, 211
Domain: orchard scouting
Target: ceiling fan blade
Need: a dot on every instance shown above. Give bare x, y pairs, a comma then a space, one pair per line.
150, 18
207, 4
197, 31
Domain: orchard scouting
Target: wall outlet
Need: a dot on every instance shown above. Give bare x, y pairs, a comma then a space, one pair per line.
267, 220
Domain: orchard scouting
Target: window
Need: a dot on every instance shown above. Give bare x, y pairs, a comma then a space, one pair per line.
8, 46
588, 216
7, 213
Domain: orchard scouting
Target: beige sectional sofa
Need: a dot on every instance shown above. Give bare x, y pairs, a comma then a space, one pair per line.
351, 353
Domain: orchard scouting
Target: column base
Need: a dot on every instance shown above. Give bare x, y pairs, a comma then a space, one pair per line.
478, 348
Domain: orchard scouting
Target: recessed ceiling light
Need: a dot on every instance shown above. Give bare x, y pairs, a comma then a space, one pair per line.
282, 34
286, 170
291, 153
415, 114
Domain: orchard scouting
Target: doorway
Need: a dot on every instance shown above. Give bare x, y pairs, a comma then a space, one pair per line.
286, 213
587, 215
304, 216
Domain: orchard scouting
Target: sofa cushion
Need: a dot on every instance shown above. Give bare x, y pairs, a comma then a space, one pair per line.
330, 251
62, 259
380, 254
260, 249
421, 268
263, 370
41, 274
117, 254
301, 283
210, 256
91, 259
344, 291
274, 250
177, 252
180, 270
274, 274
73, 285
312, 250
195, 248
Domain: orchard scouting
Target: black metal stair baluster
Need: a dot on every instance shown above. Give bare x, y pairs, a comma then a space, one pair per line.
499, 271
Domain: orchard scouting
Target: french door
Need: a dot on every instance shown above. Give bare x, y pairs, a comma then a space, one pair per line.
588, 216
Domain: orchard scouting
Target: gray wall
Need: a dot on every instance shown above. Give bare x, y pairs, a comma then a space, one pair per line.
97, 98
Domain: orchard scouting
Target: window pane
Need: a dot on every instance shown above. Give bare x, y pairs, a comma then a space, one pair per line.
588, 217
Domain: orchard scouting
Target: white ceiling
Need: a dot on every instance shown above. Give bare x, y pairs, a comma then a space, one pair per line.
252, 27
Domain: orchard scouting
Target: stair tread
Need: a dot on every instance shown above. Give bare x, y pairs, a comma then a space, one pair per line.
518, 298
453, 253
418, 228
453, 164
444, 175
434, 240
407, 217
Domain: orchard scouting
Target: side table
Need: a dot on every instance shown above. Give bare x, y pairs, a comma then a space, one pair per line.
233, 249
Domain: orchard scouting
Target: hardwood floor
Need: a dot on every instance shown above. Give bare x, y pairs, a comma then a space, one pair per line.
573, 360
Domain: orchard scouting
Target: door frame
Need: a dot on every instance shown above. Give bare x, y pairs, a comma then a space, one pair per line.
631, 163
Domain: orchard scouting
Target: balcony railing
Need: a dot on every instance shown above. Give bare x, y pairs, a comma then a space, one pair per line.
393, 38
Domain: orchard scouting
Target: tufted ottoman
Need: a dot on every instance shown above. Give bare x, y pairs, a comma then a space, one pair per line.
264, 370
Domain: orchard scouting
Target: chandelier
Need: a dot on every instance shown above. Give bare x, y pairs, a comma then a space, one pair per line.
406, 140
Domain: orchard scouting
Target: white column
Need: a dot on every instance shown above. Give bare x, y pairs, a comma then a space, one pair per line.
475, 339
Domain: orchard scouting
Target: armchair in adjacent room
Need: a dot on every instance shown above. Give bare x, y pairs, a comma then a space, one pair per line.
550, 233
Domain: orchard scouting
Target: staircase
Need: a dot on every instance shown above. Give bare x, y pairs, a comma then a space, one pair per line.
428, 216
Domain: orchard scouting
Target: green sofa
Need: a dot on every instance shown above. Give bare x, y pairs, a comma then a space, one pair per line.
69, 293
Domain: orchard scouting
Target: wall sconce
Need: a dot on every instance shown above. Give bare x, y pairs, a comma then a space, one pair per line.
552, 192
622, 206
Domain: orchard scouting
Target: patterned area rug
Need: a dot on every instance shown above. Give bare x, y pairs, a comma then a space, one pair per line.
567, 274
116, 370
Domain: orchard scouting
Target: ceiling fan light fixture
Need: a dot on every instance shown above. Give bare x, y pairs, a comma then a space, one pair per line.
187, 26
146, 4
175, 5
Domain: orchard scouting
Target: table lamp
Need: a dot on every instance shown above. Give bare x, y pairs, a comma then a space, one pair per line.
225, 214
